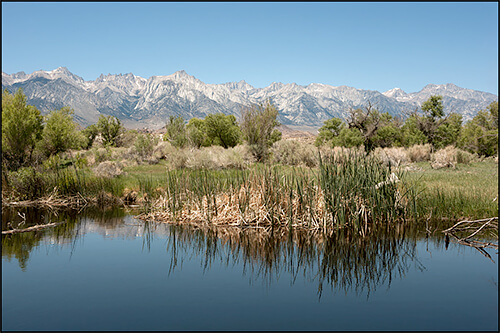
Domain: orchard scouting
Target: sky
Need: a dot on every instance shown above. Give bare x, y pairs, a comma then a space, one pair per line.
372, 46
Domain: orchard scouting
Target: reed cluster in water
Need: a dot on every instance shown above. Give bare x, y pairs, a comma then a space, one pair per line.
348, 190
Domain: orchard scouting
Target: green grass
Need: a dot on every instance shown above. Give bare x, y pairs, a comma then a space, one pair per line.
465, 192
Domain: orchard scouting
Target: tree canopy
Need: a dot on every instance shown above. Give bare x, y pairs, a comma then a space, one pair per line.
258, 125
110, 128
60, 132
22, 126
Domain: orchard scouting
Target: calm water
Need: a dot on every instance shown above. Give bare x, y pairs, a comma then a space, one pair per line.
105, 270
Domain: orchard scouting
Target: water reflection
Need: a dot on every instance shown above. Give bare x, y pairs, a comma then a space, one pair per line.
19, 246
77, 224
344, 261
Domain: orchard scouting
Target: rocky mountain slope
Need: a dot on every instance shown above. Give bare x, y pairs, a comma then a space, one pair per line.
141, 102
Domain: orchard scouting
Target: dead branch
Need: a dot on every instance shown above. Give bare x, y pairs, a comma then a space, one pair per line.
33, 228
475, 221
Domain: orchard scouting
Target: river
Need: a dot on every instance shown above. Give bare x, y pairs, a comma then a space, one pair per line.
106, 270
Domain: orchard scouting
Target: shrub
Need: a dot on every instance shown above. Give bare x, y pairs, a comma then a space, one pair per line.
391, 156
101, 154
293, 152
60, 132
52, 163
177, 159
108, 169
110, 129
144, 145
258, 128
163, 149
444, 158
117, 153
464, 157
27, 183
419, 153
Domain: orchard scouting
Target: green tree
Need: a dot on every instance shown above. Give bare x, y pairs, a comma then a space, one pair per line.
388, 133
329, 131
367, 121
349, 137
480, 135
493, 108
433, 107
60, 132
110, 129
176, 132
22, 127
410, 132
90, 133
258, 125
433, 113
222, 130
197, 133
448, 132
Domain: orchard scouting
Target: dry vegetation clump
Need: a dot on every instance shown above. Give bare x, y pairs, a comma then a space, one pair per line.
162, 149
294, 152
267, 197
340, 153
177, 159
216, 157
449, 156
464, 157
394, 156
444, 158
119, 153
238, 157
101, 154
247, 206
108, 169
419, 153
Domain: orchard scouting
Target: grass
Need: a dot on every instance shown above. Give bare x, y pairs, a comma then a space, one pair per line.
468, 191
338, 192
342, 193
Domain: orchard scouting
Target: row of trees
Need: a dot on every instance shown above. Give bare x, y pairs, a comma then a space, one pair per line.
28, 137
371, 128
257, 128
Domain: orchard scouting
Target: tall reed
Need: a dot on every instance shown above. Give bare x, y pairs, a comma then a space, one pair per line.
348, 190
360, 190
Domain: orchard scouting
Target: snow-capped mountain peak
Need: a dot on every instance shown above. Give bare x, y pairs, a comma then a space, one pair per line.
141, 102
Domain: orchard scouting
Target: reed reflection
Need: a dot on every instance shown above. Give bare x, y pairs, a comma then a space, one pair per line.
343, 260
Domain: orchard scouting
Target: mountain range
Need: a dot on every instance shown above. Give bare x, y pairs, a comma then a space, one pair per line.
140, 102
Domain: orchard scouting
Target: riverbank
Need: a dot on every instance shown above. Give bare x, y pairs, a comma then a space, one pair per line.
272, 194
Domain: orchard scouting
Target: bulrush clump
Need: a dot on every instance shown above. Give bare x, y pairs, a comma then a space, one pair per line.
347, 191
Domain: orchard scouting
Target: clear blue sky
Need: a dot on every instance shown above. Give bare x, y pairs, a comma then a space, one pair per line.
375, 46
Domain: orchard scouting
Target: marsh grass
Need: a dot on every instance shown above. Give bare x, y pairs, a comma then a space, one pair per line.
342, 193
467, 192
335, 191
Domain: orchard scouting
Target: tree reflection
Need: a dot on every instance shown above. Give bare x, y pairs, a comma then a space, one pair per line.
19, 246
